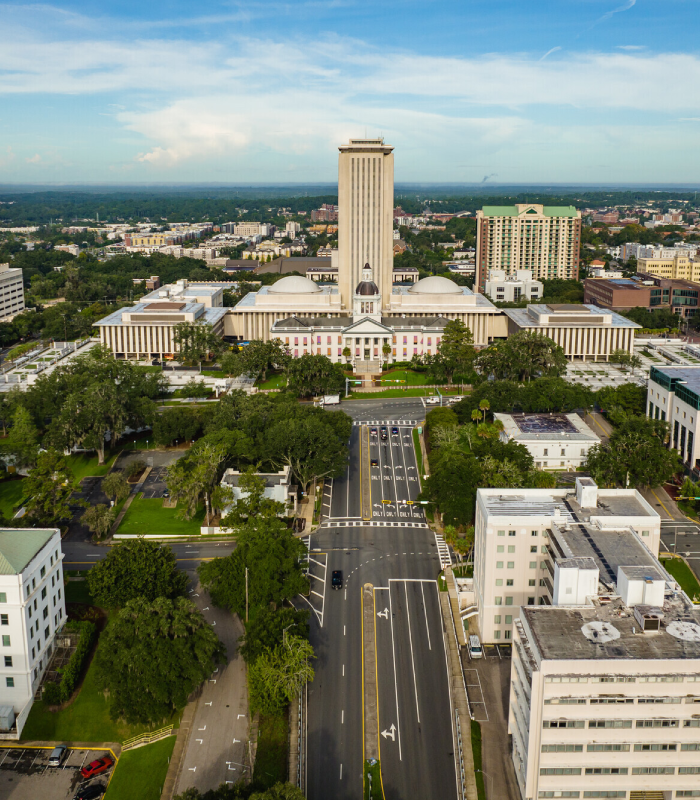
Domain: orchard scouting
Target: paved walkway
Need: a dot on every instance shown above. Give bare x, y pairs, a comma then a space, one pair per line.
218, 739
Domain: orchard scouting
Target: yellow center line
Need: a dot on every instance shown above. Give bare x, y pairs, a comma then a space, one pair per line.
662, 504
599, 425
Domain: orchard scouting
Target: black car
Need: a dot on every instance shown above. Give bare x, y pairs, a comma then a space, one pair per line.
383, 433
394, 431
337, 579
90, 792
373, 431
374, 462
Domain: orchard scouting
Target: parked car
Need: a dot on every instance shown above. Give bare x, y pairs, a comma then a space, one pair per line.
475, 649
337, 579
90, 792
57, 755
97, 766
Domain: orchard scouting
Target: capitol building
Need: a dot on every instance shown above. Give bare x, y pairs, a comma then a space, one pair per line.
365, 318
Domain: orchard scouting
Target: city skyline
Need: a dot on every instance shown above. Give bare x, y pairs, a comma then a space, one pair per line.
595, 92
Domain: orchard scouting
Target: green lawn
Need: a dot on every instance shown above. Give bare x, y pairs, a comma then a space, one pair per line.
11, 492
78, 592
149, 516
86, 719
409, 377
276, 380
392, 393
375, 771
271, 765
84, 465
684, 575
140, 773
476, 750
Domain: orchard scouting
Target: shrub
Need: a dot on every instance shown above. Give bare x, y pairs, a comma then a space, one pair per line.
135, 467
51, 694
70, 674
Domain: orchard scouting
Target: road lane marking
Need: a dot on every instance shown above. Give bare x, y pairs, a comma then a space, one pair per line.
396, 688
342, 716
343, 670
410, 641
341, 772
425, 613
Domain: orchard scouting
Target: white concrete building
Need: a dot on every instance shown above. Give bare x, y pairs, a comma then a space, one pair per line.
515, 531
507, 288
253, 229
11, 292
278, 487
585, 332
555, 441
32, 610
673, 395
292, 229
605, 693
601, 272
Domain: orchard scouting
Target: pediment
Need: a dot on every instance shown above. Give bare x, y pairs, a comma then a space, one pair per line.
367, 327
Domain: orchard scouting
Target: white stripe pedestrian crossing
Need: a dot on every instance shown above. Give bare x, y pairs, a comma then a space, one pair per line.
405, 423
443, 552
373, 523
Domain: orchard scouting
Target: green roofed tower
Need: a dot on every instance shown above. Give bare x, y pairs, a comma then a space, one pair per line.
543, 239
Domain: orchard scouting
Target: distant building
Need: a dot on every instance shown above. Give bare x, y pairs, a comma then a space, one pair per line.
673, 395
678, 264
33, 610
292, 228
555, 441
247, 229
643, 291
601, 272
327, 213
543, 239
585, 332
608, 217
510, 288
11, 292
278, 487
73, 249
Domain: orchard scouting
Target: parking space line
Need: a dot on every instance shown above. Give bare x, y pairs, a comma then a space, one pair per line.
410, 641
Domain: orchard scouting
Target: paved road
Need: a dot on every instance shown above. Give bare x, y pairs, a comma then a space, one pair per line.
82, 555
396, 552
683, 538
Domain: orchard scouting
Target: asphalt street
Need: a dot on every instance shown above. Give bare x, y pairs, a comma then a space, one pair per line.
396, 552
82, 555
682, 538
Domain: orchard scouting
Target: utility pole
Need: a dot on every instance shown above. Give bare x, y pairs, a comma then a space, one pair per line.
246, 594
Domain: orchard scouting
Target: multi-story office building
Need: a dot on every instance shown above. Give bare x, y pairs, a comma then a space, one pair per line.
542, 239
514, 534
253, 229
585, 332
679, 264
643, 291
365, 215
32, 610
555, 441
673, 394
11, 292
507, 288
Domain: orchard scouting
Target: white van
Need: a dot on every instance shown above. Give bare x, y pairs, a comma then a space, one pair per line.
56, 756
475, 650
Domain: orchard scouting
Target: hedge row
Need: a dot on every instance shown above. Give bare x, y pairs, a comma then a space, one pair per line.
55, 693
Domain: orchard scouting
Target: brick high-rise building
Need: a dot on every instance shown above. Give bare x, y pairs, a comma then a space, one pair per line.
544, 239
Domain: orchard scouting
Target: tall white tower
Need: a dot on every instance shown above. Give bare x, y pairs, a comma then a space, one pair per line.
365, 216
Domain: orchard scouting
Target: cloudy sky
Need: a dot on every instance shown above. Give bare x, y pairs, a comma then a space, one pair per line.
523, 91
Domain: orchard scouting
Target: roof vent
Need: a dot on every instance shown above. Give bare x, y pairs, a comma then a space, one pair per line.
648, 617
600, 632
687, 631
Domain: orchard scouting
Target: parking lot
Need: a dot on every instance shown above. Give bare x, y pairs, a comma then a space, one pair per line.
25, 774
154, 486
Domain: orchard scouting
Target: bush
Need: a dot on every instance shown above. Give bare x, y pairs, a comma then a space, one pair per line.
51, 694
70, 674
135, 467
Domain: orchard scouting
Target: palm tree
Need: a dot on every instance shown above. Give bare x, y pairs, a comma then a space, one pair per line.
484, 405
476, 415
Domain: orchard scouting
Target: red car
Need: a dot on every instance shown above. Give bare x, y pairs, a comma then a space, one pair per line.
95, 767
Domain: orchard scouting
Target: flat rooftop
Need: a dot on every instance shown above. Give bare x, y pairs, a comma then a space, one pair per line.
558, 633
534, 502
524, 319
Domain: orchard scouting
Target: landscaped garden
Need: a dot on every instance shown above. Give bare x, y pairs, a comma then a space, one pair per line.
147, 515
680, 570
276, 380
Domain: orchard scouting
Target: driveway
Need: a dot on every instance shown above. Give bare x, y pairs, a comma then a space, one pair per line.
215, 753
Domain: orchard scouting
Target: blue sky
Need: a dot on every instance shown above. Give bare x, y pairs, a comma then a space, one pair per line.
521, 91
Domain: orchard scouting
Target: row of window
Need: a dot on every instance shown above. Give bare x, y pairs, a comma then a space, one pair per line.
619, 770
620, 723
592, 793
599, 701
689, 747
622, 679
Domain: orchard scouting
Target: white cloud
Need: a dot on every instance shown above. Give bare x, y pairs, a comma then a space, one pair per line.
35, 159
7, 158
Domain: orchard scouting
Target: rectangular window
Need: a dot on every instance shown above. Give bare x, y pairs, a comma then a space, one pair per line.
560, 771
42, 571
511, 533
509, 582
511, 548
563, 793
508, 634
653, 770
511, 565
687, 770
46, 633
43, 593
533, 548
46, 612
497, 601
4, 619
501, 533
692, 747
606, 770
3, 597
499, 565
607, 748
611, 723
6, 641
497, 619
657, 723
9, 682
496, 634
509, 601
499, 581
8, 661
649, 748
605, 793
499, 548
531, 582
534, 533
562, 748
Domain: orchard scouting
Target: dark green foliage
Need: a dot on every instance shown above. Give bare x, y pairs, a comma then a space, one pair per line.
49, 487
630, 398
272, 555
315, 375
136, 569
55, 693
522, 356
264, 632
245, 791
659, 318
153, 655
177, 422
452, 487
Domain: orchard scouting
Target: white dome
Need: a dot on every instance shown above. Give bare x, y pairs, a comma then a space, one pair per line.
294, 284
435, 284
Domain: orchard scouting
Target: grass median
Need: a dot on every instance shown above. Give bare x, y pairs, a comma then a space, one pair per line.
147, 516
373, 781
271, 761
140, 773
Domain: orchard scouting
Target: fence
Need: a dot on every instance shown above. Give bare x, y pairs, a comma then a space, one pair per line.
147, 738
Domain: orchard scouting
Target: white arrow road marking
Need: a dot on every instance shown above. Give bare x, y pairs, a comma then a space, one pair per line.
201, 741
240, 715
195, 595
202, 729
207, 704
193, 769
214, 623
212, 680
391, 732
384, 613
206, 609
235, 741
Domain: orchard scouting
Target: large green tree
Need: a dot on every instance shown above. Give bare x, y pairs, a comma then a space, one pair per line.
23, 439
266, 630
276, 676
152, 655
196, 342
522, 356
192, 478
315, 375
178, 422
99, 519
50, 485
456, 349
272, 556
252, 504
136, 568
115, 486
256, 358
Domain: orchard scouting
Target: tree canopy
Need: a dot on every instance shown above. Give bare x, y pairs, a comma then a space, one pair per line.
315, 375
136, 568
49, 486
152, 655
522, 356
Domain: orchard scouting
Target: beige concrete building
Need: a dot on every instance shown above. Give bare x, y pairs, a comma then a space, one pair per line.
677, 265
11, 292
366, 214
516, 530
543, 239
585, 332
